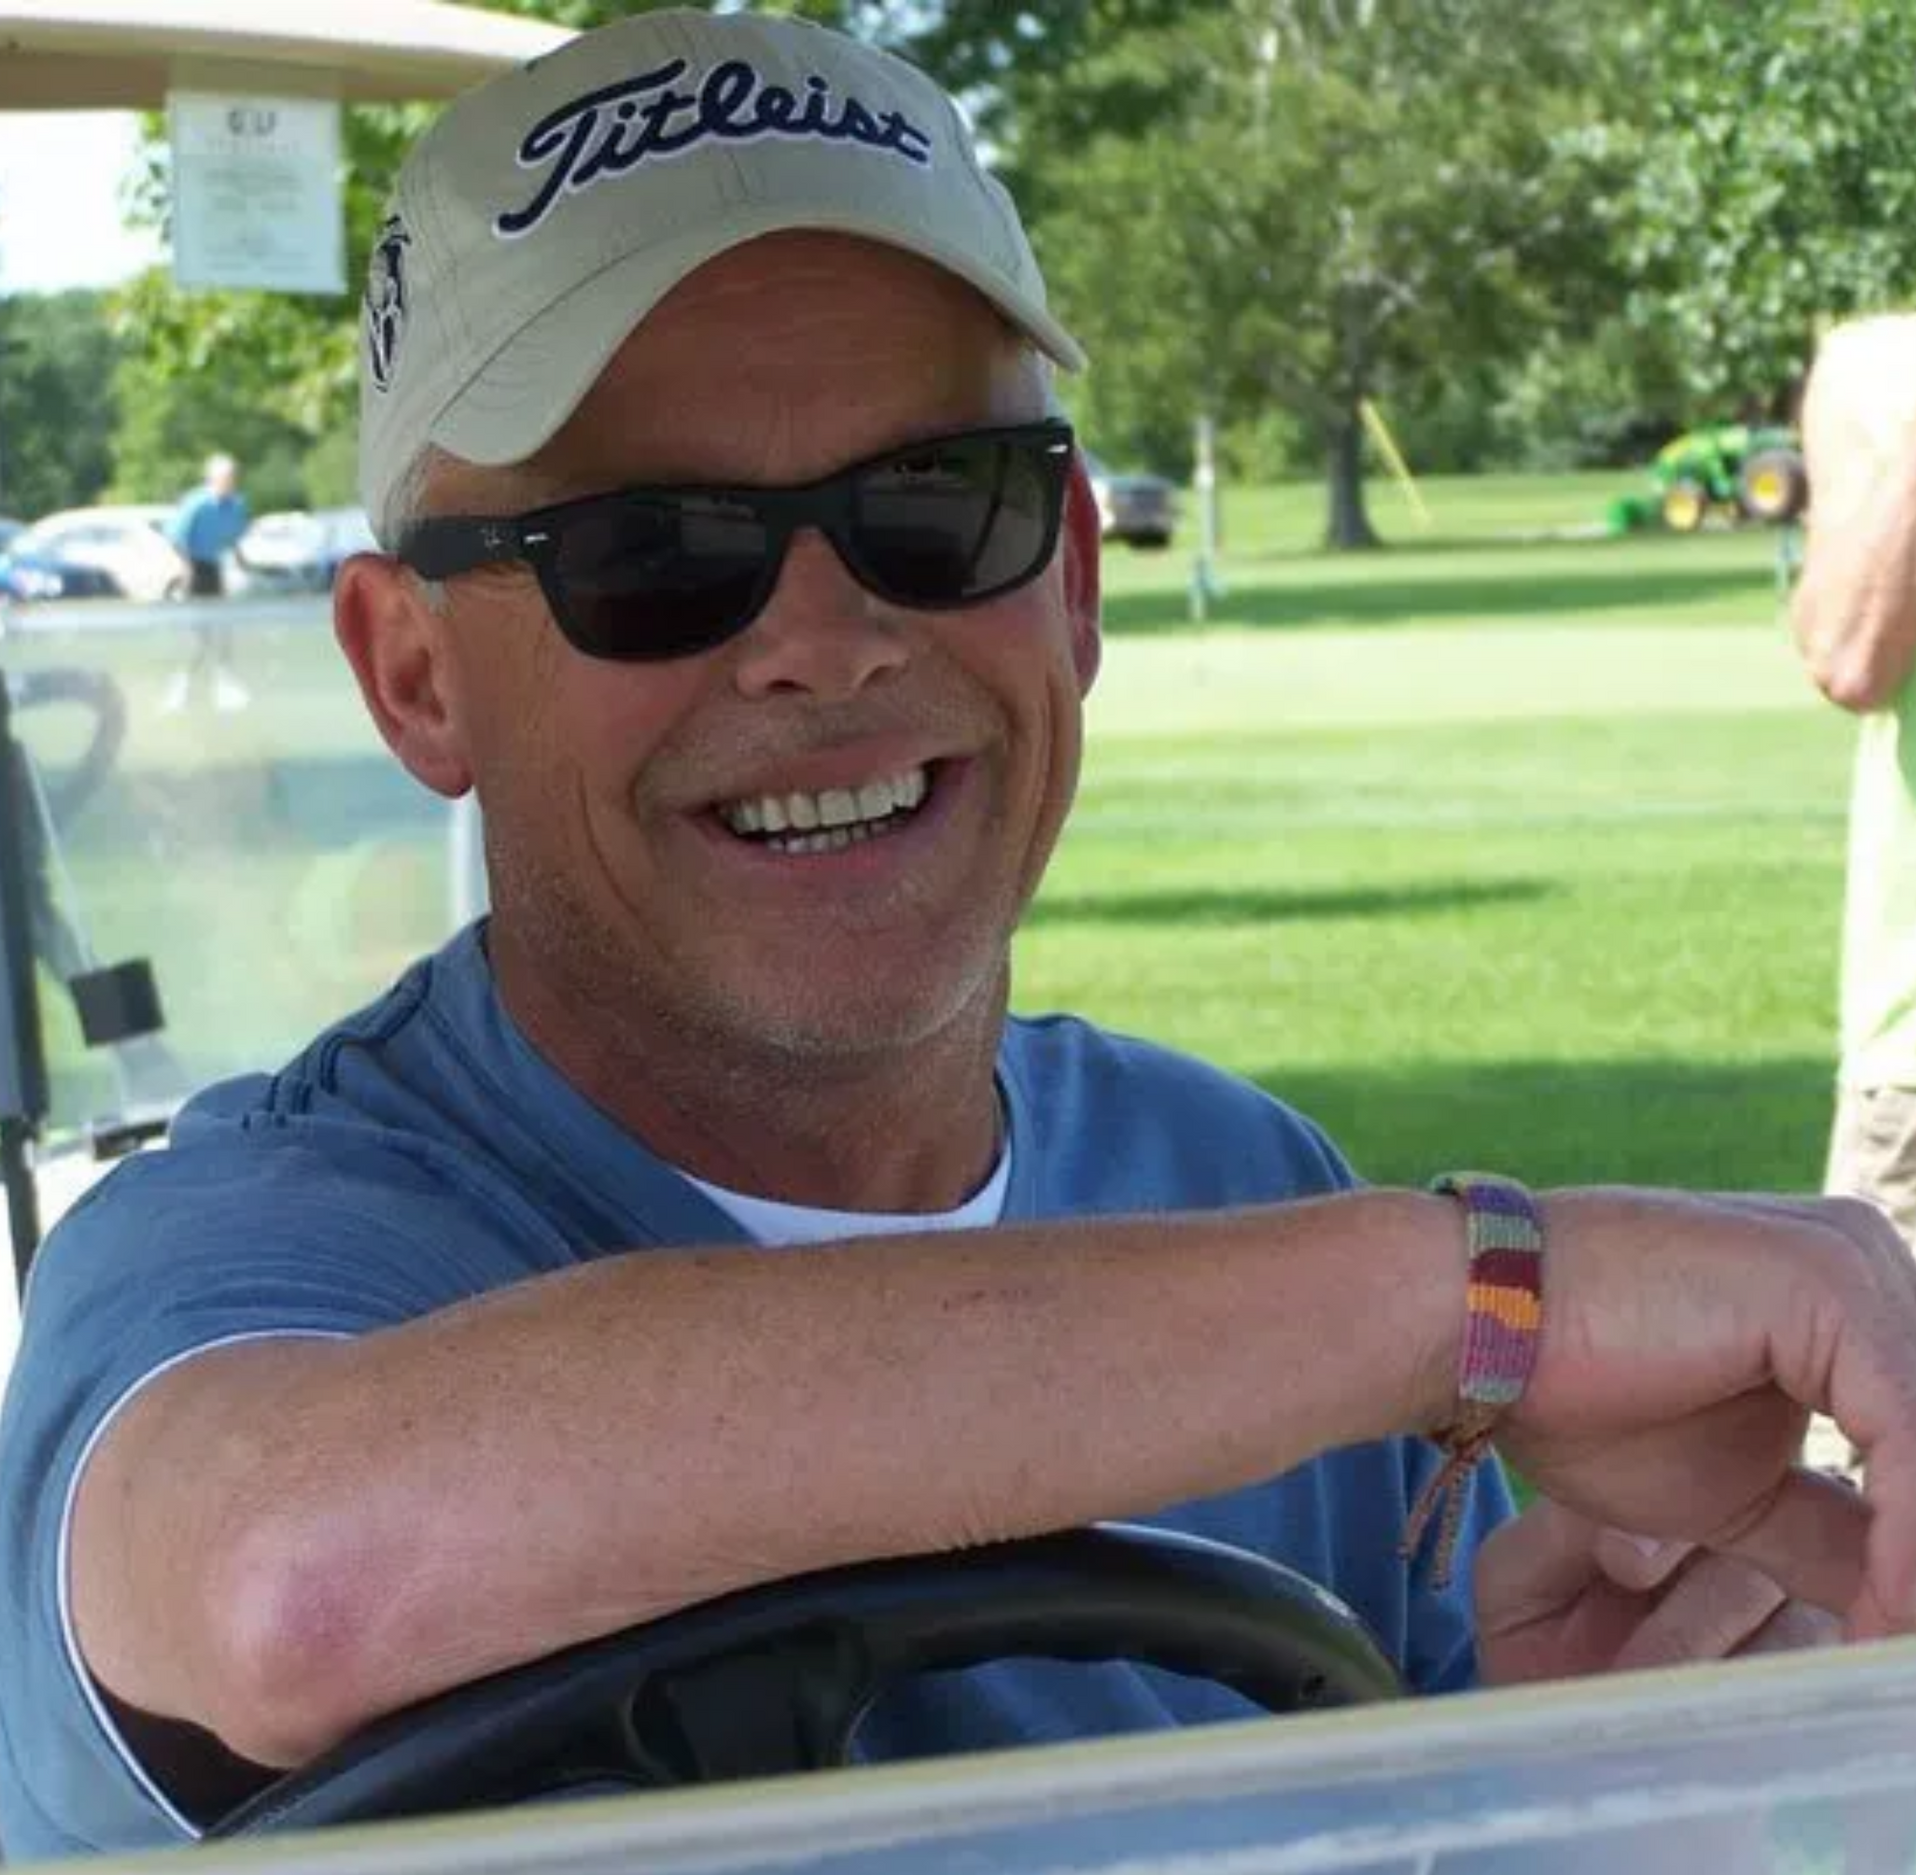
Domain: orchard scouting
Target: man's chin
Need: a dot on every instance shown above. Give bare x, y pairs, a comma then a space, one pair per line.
837, 1016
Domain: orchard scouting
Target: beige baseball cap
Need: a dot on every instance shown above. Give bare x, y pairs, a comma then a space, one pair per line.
546, 213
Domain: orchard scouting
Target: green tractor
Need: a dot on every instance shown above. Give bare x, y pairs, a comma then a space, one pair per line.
1752, 473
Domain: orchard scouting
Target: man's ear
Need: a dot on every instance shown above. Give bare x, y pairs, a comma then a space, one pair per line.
1083, 577
396, 643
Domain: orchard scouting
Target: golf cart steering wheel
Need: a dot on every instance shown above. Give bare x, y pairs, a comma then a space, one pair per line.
777, 1678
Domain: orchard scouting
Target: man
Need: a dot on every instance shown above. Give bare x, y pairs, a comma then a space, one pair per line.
207, 525
1854, 616
701, 1219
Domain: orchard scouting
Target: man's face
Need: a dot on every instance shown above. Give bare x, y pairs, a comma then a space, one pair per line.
624, 892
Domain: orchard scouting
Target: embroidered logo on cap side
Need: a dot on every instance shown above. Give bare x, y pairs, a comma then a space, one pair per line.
613, 130
385, 307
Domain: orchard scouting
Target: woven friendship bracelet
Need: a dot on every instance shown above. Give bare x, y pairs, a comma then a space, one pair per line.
1504, 1312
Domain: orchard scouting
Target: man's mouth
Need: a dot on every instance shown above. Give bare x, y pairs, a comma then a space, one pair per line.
831, 820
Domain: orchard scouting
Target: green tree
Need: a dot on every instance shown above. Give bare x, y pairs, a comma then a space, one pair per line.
1774, 184
57, 403
1331, 202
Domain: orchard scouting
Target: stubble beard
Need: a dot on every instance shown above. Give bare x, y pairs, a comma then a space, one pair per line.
615, 1005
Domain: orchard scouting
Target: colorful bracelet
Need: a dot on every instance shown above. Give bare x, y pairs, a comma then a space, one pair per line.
1504, 1313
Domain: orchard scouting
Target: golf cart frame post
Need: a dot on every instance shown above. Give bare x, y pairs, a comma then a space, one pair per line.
24, 1094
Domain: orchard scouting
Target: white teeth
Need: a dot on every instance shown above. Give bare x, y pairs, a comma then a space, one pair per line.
843, 814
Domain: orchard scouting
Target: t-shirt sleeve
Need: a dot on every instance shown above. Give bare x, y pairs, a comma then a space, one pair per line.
164, 1260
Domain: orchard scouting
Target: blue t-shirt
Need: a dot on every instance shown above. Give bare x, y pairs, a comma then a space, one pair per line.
421, 1153
206, 526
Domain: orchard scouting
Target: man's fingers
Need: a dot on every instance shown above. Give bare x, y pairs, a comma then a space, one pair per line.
1531, 1567
1812, 1539
1641, 1563
1712, 1608
1857, 1368
1794, 1627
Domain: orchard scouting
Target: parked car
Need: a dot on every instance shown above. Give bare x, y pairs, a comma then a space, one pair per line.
1140, 509
124, 542
293, 550
27, 574
280, 552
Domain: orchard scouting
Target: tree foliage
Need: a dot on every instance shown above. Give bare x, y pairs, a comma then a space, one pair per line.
1774, 183
1328, 202
58, 410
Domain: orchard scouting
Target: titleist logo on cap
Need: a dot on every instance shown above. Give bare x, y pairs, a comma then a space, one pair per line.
616, 128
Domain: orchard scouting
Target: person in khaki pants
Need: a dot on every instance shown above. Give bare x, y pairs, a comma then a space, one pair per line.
1854, 619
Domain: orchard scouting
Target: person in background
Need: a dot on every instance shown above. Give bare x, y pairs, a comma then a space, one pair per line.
1853, 615
1854, 620
206, 526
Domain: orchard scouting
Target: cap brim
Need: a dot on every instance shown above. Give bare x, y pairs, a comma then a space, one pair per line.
527, 389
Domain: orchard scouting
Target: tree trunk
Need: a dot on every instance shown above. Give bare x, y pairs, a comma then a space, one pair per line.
1348, 524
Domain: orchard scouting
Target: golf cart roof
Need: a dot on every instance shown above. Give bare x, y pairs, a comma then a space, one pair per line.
124, 54
1811, 1755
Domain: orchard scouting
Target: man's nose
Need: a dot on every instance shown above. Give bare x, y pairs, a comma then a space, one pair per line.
821, 632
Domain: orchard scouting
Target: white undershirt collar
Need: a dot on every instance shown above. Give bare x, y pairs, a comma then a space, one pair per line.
771, 1223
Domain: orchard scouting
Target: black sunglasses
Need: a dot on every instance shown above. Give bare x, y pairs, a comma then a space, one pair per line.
643, 574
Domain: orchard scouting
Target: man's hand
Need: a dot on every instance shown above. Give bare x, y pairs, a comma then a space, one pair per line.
1559, 1596
1685, 1342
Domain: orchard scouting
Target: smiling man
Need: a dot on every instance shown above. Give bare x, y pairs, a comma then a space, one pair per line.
701, 1217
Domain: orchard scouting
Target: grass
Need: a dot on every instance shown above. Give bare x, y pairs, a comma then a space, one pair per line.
1481, 851
1497, 847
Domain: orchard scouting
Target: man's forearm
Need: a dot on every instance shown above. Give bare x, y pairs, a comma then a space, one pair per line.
349, 1527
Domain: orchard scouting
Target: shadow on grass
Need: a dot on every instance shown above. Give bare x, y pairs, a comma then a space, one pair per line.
1263, 907
1516, 538
1298, 601
1704, 1126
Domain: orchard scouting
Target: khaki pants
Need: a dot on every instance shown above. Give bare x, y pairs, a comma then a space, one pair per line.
1873, 1151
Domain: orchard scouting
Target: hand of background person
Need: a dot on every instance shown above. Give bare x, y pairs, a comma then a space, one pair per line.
1559, 1596
1686, 1340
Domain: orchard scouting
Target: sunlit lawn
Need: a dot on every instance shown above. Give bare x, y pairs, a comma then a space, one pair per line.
1520, 854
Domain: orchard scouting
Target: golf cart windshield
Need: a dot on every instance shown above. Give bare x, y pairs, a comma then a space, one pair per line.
254, 845
1800, 1763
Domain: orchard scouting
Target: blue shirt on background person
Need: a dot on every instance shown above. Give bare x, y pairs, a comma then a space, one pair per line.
210, 522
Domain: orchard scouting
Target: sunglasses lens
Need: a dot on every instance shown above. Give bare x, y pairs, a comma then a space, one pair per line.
648, 580
959, 520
